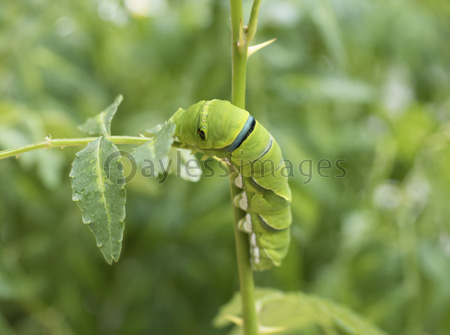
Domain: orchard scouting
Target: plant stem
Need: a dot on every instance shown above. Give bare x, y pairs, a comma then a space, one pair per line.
70, 142
250, 320
239, 48
253, 21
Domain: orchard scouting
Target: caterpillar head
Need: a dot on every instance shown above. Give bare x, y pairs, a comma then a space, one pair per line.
209, 125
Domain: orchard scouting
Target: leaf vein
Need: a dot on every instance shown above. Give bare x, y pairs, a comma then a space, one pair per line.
102, 188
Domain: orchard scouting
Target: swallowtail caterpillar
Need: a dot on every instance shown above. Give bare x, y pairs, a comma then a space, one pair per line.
218, 128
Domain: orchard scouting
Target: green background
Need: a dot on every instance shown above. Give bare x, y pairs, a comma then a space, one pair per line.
362, 81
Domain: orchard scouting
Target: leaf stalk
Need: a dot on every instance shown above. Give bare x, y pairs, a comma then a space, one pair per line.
70, 142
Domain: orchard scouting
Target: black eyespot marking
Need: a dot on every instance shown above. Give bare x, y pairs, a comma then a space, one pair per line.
201, 133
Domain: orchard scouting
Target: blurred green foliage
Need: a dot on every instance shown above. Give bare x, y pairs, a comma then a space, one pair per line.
362, 81
288, 313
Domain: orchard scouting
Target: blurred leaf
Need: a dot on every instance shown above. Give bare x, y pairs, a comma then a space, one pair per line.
329, 28
158, 157
298, 313
98, 188
10, 138
154, 130
49, 168
152, 156
13, 283
101, 123
334, 88
187, 165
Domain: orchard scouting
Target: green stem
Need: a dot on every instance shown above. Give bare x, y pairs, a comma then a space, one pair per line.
250, 320
70, 142
239, 65
239, 48
253, 21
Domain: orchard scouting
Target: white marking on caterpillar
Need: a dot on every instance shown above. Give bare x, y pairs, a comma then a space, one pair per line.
256, 255
247, 224
205, 107
253, 240
238, 181
243, 203
241, 224
255, 248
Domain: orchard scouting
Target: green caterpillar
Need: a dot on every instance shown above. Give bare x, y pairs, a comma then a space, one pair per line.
218, 128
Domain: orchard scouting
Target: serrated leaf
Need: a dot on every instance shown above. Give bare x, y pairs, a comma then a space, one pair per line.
101, 123
152, 156
297, 313
98, 188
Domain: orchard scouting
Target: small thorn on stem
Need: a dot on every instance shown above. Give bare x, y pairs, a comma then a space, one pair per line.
255, 48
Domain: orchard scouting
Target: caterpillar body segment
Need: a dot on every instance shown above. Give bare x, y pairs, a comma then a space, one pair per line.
253, 222
217, 128
262, 203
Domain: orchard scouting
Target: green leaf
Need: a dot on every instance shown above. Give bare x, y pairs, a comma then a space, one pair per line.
158, 157
98, 188
152, 156
154, 130
297, 313
101, 123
